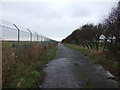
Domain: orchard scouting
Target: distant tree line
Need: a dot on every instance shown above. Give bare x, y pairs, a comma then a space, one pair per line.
105, 34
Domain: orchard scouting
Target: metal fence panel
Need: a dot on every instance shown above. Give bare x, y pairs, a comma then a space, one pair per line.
13, 32
9, 33
24, 36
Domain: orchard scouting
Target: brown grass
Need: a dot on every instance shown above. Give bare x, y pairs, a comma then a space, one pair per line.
105, 58
18, 60
8, 61
28, 53
108, 61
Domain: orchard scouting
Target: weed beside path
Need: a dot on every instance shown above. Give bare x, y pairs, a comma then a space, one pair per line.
22, 68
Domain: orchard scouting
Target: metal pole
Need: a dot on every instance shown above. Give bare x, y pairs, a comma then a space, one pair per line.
30, 35
44, 39
37, 36
41, 39
18, 32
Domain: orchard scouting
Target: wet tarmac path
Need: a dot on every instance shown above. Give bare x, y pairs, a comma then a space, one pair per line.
72, 70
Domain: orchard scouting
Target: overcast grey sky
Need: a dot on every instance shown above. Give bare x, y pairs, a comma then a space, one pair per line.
55, 19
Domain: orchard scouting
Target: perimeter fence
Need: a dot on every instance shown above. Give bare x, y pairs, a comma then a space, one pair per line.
20, 47
13, 32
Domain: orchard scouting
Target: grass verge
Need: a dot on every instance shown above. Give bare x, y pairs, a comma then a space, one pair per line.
108, 60
25, 70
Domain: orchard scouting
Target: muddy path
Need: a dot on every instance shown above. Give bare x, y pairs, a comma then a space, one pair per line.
72, 70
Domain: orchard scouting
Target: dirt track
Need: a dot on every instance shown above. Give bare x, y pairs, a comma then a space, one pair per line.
72, 70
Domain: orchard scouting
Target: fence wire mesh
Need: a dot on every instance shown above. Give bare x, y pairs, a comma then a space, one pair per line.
13, 32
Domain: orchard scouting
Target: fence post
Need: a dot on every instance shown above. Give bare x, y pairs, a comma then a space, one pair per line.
37, 36
42, 39
30, 35
18, 32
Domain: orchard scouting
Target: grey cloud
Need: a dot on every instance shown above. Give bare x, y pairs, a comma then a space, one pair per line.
54, 19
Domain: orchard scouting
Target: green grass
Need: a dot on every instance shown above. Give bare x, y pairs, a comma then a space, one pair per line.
76, 64
6, 44
28, 80
90, 84
48, 55
29, 74
82, 50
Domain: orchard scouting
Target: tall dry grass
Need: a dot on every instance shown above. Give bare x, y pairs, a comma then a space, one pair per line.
16, 60
28, 53
8, 61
